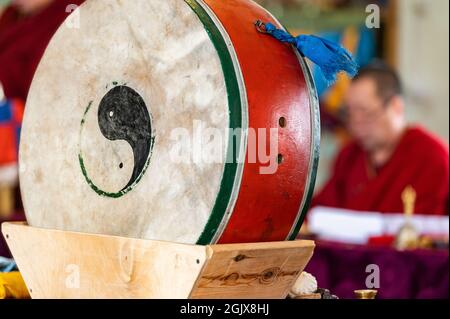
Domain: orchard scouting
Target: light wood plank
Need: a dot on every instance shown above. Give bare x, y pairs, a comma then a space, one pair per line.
260, 270
51, 262
61, 264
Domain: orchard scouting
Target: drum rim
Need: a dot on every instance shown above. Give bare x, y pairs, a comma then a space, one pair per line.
315, 148
219, 217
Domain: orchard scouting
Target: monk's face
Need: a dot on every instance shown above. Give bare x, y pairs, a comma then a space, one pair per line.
30, 6
371, 120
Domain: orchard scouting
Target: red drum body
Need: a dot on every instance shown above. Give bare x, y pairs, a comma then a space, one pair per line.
258, 86
280, 94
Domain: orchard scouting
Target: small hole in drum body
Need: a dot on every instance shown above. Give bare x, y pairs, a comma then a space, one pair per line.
7, 236
282, 122
280, 159
121, 165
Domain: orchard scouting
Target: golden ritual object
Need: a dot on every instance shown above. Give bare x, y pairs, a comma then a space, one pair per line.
409, 197
366, 294
408, 236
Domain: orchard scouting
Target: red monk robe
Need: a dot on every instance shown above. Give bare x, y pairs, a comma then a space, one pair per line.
23, 40
420, 160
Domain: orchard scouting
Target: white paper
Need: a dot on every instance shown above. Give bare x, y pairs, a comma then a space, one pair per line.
356, 227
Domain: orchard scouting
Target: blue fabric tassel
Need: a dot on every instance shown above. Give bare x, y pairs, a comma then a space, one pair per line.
7, 265
329, 56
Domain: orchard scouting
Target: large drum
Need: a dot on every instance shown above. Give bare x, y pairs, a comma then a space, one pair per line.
170, 120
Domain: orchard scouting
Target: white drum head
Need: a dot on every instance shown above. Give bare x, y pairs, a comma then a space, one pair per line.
110, 108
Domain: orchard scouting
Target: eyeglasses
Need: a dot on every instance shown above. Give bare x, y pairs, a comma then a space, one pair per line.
366, 113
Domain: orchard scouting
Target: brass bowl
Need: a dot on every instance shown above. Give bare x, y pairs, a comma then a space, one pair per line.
366, 294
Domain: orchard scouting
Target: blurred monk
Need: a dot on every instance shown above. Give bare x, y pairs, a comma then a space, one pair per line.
26, 27
386, 155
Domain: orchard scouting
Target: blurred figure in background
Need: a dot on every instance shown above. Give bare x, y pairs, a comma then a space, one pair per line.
387, 155
26, 27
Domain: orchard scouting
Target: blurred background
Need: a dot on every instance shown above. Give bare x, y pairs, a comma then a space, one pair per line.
410, 35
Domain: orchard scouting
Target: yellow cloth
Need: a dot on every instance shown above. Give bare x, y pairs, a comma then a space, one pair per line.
12, 286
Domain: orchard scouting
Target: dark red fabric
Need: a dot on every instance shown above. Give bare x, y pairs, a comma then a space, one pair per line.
18, 216
418, 274
22, 43
420, 160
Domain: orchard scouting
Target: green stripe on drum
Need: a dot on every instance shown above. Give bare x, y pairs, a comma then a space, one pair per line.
235, 112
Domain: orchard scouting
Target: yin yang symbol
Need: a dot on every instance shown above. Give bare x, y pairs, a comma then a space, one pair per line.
122, 116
